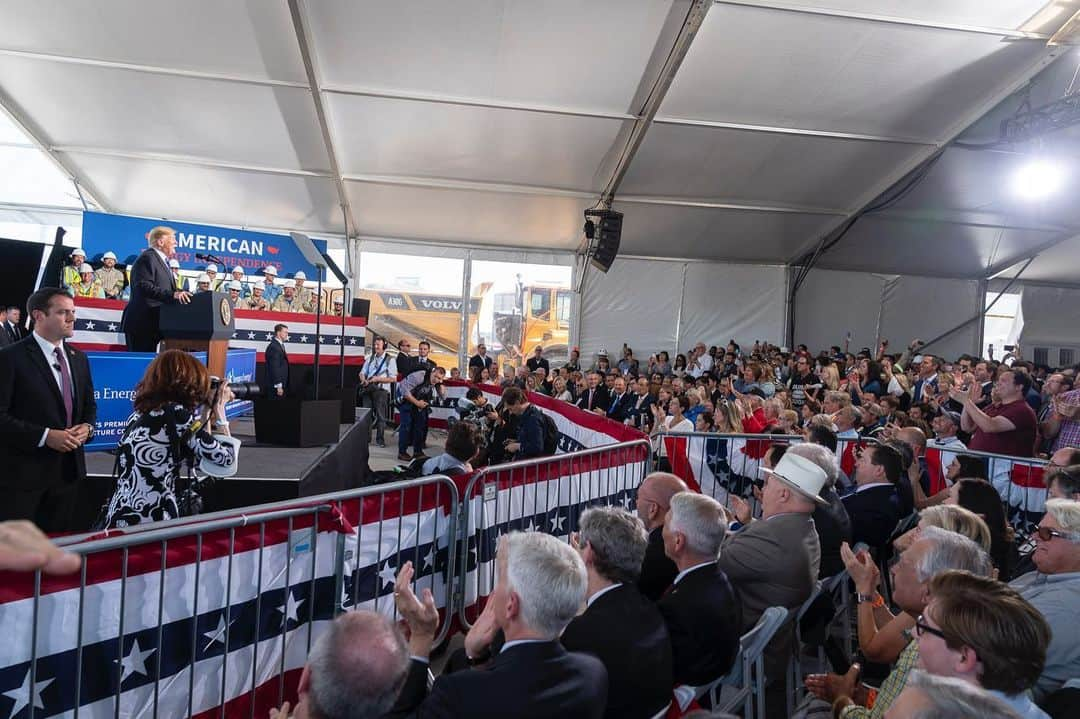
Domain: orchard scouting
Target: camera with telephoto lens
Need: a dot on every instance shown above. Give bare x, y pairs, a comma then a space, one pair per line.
240, 390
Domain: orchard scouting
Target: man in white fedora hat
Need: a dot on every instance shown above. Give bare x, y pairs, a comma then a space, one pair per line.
774, 561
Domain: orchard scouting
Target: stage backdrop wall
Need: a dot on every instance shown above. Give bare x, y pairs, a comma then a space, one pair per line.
639, 302
899, 308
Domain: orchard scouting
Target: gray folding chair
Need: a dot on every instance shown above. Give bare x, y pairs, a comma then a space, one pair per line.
795, 660
746, 680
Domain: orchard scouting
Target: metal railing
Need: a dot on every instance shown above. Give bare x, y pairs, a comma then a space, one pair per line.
159, 613
546, 494
1019, 481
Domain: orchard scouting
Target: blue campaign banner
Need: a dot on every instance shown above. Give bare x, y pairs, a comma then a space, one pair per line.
115, 375
126, 236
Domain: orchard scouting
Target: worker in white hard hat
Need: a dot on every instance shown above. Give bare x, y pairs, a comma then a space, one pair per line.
111, 279
88, 286
256, 301
71, 276
238, 276
202, 283
235, 288
270, 291
178, 279
304, 294
339, 306
289, 301
211, 272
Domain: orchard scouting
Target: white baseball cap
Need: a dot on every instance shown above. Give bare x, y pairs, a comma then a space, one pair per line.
289, 283
84, 268
234, 285
800, 474
270, 270
174, 264
108, 256
300, 276
203, 278
211, 267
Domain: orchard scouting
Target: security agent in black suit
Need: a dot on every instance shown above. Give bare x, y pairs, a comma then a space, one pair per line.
702, 610
5, 338
152, 285
596, 397
47, 414
874, 506
532, 676
619, 626
12, 331
276, 383
653, 498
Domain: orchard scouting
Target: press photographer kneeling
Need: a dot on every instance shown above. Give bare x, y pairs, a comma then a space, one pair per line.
167, 438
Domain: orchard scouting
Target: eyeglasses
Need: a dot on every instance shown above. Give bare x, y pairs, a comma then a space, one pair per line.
1046, 534
922, 627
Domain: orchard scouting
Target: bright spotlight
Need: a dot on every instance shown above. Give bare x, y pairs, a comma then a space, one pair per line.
1038, 179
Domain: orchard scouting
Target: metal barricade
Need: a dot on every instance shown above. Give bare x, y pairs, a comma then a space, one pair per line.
217, 612
1019, 481
546, 494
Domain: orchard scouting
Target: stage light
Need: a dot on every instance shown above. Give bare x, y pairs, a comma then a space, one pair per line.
1038, 179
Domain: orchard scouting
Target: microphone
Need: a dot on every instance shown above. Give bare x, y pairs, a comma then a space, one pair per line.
210, 258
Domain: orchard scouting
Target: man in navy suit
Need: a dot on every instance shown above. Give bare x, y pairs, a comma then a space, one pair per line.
874, 506
621, 401
596, 397
702, 611
540, 586
47, 414
927, 384
151, 287
619, 626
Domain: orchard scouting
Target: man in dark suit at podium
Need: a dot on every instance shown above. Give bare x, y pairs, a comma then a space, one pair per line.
47, 414
277, 364
152, 285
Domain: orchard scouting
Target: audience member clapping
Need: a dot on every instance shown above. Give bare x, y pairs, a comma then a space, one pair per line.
935, 551
540, 587
355, 670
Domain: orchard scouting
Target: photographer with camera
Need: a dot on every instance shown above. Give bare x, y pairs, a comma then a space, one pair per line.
176, 405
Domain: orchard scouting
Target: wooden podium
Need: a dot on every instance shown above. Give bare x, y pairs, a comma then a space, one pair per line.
205, 324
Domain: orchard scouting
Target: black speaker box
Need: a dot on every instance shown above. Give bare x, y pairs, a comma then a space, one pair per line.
361, 307
608, 233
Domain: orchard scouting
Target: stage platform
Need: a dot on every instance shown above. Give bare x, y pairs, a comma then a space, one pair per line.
270, 473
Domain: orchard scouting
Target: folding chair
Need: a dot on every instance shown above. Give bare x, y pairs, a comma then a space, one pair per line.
747, 675
795, 660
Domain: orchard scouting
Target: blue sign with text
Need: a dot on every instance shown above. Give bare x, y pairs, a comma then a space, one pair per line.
126, 236
115, 375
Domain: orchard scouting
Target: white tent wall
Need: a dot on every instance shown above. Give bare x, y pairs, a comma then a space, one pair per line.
1051, 318
899, 308
657, 305
722, 302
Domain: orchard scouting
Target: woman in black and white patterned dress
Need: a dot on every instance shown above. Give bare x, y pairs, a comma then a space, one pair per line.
167, 427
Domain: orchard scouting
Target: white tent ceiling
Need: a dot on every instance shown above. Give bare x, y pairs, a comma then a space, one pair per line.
498, 122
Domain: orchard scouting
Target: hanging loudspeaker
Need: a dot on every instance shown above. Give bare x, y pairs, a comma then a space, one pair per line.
607, 231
